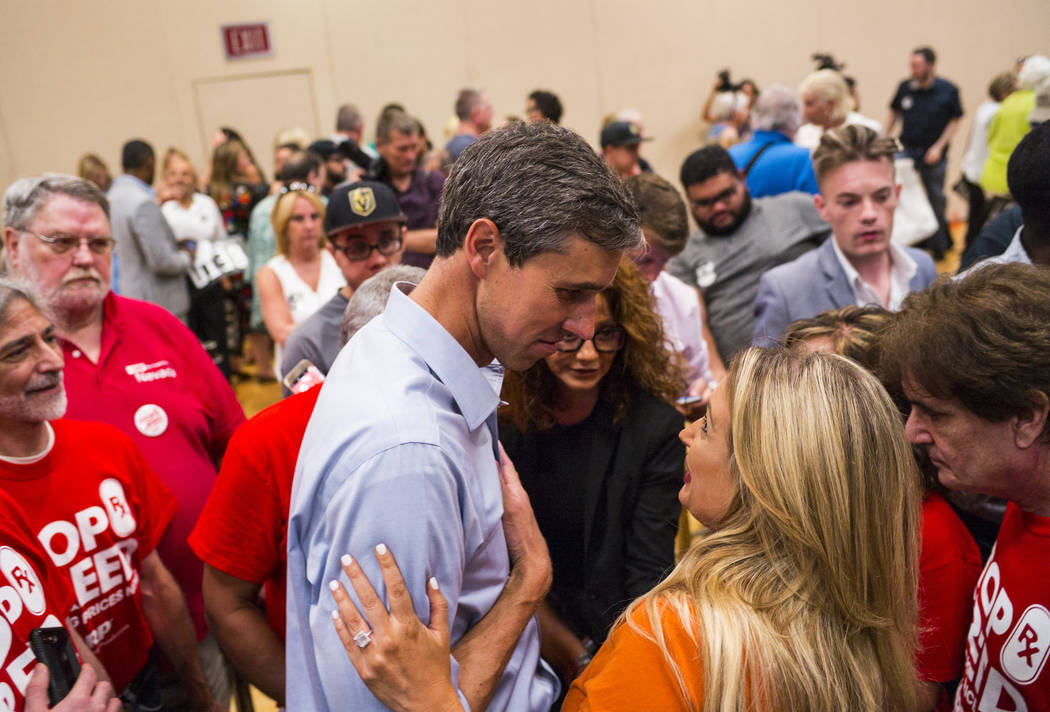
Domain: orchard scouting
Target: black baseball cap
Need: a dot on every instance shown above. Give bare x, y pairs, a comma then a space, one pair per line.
361, 203
325, 148
622, 133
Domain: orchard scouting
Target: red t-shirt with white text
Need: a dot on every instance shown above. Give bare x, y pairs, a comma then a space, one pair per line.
243, 530
97, 510
1009, 640
154, 382
33, 594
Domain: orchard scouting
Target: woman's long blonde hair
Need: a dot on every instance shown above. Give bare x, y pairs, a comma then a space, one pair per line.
804, 597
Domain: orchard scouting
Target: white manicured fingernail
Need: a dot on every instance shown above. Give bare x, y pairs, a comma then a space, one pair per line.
433, 583
334, 585
347, 559
335, 615
381, 549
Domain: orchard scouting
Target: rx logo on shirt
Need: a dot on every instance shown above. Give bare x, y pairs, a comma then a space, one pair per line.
1024, 653
23, 578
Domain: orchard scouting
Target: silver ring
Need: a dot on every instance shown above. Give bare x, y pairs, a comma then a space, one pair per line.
363, 638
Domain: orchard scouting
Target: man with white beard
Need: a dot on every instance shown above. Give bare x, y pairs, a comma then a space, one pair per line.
97, 509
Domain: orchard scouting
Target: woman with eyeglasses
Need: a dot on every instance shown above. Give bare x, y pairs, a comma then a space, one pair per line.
593, 433
302, 276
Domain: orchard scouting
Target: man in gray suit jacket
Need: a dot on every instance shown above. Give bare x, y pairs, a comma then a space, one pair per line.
152, 263
858, 264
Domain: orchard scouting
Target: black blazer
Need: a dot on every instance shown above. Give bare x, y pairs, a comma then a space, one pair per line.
631, 507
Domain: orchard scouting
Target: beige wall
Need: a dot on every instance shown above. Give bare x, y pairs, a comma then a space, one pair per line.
85, 76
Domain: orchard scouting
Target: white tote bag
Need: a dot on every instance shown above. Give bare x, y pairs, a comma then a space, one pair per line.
913, 220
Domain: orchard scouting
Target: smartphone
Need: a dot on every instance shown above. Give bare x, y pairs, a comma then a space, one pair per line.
689, 400
54, 648
303, 376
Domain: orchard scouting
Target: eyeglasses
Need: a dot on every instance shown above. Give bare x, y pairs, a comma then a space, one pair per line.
606, 340
61, 244
297, 187
720, 198
357, 250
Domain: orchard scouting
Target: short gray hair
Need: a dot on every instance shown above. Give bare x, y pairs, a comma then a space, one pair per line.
540, 184
466, 100
369, 300
396, 121
24, 198
348, 118
777, 109
12, 290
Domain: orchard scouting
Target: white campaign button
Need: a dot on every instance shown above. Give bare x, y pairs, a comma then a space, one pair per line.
76, 353
151, 420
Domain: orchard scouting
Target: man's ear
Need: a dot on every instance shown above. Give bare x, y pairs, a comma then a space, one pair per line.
1029, 425
818, 202
11, 246
482, 245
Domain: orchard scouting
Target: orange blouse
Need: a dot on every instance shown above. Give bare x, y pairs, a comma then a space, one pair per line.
630, 671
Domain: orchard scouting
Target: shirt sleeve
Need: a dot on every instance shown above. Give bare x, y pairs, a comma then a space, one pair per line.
895, 104
771, 314
259, 247
156, 241
631, 672
946, 586
680, 267
956, 109
411, 498
300, 346
240, 529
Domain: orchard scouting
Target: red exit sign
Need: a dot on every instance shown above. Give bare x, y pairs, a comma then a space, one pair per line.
247, 40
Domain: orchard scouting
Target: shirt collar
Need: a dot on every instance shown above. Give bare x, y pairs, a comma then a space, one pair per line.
474, 389
902, 269
31, 459
759, 137
134, 180
1015, 251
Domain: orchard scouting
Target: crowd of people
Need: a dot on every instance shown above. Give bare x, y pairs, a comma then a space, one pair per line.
509, 369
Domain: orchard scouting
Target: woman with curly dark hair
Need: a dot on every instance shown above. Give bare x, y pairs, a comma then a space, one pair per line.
594, 434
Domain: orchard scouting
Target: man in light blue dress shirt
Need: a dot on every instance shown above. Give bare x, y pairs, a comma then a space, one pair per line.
402, 445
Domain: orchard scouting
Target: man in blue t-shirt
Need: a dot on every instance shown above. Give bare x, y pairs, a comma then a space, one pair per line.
928, 110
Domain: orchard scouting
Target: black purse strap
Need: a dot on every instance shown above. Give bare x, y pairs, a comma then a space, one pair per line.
755, 157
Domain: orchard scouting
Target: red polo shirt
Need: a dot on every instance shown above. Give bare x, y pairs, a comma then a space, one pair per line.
155, 382
243, 530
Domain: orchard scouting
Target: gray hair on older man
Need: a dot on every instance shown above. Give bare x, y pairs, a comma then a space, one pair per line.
369, 300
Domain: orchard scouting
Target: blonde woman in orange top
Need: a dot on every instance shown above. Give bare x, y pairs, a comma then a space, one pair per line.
801, 595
